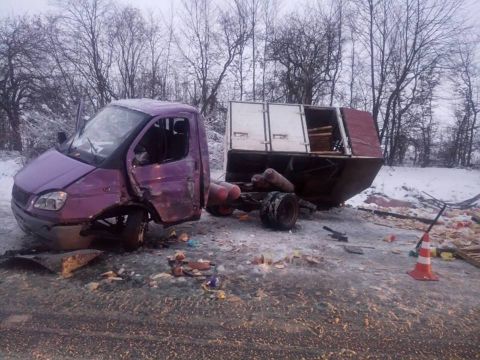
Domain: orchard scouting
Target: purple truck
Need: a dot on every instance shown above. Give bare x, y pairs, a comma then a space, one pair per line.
143, 160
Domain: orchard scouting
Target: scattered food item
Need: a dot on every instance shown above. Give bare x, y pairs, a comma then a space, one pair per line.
336, 234
312, 260
447, 256
192, 243
280, 266
220, 295
353, 249
161, 276
179, 256
396, 251
389, 238
213, 282
262, 259
63, 263
111, 276
92, 286
177, 270
183, 237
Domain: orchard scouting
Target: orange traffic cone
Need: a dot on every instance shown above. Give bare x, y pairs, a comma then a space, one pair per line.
423, 268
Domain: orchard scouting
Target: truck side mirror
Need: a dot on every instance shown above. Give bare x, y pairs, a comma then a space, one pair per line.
61, 137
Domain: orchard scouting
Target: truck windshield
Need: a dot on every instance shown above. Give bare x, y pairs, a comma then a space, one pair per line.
104, 133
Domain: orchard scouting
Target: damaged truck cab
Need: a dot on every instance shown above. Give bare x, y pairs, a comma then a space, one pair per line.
135, 161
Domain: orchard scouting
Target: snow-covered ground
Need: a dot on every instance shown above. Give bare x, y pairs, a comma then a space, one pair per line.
10, 163
406, 183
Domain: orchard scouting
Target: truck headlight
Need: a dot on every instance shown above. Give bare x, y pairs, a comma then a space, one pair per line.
51, 201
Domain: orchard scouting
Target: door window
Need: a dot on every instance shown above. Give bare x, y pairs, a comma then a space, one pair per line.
166, 140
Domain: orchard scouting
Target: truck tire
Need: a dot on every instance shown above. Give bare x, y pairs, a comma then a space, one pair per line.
267, 207
220, 210
283, 211
135, 228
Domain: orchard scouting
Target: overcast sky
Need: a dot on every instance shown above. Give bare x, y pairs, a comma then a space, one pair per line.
18, 7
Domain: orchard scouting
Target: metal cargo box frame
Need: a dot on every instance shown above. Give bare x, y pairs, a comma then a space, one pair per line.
326, 178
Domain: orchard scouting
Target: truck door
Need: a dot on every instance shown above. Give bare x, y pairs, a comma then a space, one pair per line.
247, 126
163, 165
287, 128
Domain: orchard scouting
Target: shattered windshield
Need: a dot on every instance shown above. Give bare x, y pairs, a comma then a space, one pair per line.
104, 133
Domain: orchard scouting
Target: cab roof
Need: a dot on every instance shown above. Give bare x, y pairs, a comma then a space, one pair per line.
153, 107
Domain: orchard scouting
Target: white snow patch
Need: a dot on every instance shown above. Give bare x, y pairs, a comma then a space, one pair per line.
10, 163
402, 183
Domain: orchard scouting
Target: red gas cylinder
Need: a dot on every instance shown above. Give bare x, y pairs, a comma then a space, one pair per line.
233, 190
217, 194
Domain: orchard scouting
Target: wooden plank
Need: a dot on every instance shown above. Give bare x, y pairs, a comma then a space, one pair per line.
327, 152
469, 256
320, 135
322, 128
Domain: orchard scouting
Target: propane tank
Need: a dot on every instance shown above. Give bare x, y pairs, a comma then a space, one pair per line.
276, 179
217, 194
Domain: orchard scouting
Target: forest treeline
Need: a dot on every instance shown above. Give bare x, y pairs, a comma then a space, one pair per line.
413, 64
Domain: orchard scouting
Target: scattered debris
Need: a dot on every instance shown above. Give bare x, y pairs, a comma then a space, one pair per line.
159, 276
470, 254
389, 238
179, 256
92, 286
387, 202
213, 282
447, 256
336, 234
353, 249
312, 260
396, 215
476, 218
63, 263
111, 276
192, 243
183, 237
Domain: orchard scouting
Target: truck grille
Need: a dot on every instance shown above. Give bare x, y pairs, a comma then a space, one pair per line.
20, 196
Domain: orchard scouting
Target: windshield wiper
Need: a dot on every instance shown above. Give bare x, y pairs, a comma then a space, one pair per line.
94, 150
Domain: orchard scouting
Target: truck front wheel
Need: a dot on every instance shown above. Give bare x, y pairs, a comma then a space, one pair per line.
135, 228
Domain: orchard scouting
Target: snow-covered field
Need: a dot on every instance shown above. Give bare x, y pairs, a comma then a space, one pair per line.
10, 163
407, 183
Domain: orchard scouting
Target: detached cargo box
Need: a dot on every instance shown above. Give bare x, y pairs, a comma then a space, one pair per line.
329, 154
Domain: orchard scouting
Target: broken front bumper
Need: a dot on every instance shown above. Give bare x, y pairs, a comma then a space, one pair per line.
58, 236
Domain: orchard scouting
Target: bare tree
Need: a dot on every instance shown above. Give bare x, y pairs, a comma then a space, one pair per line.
210, 41
306, 46
130, 41
88, 45
21, 75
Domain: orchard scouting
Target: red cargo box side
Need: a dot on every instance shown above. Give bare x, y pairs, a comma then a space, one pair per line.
362, 133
